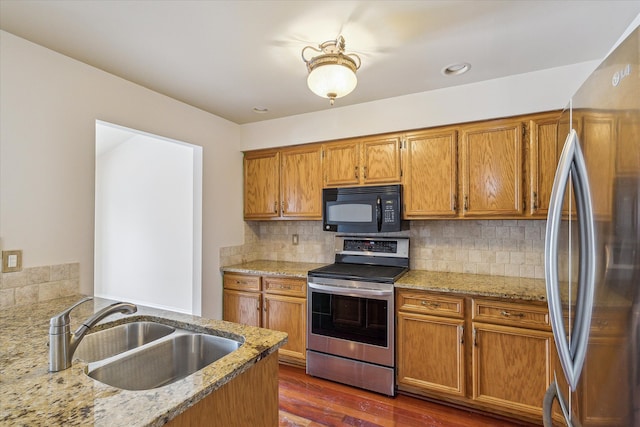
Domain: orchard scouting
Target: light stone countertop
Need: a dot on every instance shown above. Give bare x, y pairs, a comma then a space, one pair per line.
516, 288
273, 268
459, 283
30, 395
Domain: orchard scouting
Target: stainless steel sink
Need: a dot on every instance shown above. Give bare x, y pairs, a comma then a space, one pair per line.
163, 362
110, 342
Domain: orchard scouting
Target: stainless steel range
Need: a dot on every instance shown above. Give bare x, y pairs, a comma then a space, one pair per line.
350, 335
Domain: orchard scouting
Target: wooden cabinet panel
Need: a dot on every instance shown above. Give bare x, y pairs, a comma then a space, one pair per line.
628, 154
511, 314
544, 152
442, 339
510, 367
261, 184
285, 286
280, 305
491, 167
430, 174
598, 135
288, 314
341, 164
428, 303
301, 171
241, 282
381, 160
241, 307
365, 161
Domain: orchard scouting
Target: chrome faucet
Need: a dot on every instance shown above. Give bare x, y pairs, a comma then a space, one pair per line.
62, 343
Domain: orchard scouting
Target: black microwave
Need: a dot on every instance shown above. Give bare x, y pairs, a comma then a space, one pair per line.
375, 209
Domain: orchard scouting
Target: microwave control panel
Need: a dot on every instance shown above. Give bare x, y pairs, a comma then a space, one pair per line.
389, 212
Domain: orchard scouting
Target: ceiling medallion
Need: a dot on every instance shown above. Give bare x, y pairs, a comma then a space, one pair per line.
332, 73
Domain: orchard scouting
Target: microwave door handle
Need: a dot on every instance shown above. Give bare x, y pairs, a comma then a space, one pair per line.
379, 213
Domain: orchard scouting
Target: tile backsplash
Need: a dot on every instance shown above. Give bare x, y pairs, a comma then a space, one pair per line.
37, 284
494, 247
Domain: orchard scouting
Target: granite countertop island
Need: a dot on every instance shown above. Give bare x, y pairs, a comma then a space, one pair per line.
516, 288
30, 395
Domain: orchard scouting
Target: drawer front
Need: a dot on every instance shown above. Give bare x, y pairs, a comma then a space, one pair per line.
241, 282
516, 314
285, 286
428, 303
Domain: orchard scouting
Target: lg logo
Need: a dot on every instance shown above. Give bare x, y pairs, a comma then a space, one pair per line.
619, 75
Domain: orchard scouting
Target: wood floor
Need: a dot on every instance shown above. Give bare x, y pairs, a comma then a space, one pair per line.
308, 401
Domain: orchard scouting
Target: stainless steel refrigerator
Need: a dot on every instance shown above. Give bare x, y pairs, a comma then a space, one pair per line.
592, 249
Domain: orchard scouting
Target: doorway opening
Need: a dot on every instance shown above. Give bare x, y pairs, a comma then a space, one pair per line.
148, 219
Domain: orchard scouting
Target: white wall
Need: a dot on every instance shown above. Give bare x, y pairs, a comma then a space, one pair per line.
49, 104
144, 223
520, 94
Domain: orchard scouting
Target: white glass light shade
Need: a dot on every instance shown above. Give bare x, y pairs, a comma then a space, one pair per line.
332, 80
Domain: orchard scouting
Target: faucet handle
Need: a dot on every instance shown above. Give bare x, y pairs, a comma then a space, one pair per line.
62, 319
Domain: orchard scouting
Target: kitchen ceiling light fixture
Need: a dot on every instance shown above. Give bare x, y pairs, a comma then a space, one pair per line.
332, 74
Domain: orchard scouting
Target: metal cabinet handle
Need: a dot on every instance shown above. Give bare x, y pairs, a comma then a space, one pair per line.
475, 337
356, 172
466, 203
430, 304
571, 355
509, 314
275, 207
535, 201
461, 330
364, 171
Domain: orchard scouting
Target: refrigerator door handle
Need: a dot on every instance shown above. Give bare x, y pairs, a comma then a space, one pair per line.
571, 352
553, 393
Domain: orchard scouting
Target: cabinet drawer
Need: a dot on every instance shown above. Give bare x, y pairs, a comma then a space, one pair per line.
285, 286
516, 314
428, 303
241, 282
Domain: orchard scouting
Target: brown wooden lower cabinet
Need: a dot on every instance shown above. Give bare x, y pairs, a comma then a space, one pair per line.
491, 355
228, 405
277, 303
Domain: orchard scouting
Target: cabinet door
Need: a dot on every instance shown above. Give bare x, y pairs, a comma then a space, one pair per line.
261, 185
288, 314
491, 168
628, 155
598, 144
440, 338
341, 165
544, 152
302, 182
241, 307
510, 367
602, 402
430, 175
381, 160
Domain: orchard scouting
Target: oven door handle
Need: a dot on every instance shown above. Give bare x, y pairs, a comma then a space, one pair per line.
350, 291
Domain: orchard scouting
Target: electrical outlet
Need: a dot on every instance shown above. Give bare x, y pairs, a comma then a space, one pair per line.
294, 239
11, 261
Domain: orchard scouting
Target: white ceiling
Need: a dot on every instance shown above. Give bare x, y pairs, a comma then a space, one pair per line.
227, 57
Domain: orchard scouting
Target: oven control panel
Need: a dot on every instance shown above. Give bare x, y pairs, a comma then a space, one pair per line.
376, 246
371, 246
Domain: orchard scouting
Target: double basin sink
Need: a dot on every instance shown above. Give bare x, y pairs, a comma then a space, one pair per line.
144, 355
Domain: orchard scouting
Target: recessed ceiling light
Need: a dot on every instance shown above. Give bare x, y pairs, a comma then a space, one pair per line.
456, 69
260, 110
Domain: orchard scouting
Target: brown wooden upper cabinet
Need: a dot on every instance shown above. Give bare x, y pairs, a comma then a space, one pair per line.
430, 173
283, 184
491, 168
598, 133
545, 146
362, 161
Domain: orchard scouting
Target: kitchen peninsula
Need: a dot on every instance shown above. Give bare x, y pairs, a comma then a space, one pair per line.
31, 395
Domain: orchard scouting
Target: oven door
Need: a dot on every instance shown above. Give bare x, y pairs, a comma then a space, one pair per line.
355, 322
